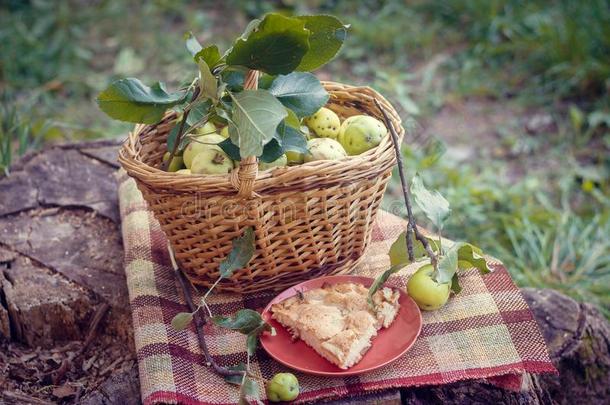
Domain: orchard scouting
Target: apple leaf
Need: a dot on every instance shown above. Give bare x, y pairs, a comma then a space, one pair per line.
455, 284
399, 254
327, 37
292, 120
291, 139
300, 91
256, 114
272, 151
252, 340
276, 45
244, 321
132, 101
380, 281
432, 203
207, 81
192, 44
235, 379
210, 54
470, 256
240, 254
181, 320
448, 265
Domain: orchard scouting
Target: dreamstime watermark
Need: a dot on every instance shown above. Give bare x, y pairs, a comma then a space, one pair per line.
349, 201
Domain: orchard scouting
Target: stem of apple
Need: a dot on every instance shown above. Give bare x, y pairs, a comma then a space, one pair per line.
412, 228
165, 165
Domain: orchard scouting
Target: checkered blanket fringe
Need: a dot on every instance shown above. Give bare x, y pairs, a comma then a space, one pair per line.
486, 331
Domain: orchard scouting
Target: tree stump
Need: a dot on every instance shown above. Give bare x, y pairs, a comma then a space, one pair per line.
61, 267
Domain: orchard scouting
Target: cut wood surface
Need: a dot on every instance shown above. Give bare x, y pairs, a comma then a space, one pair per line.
65, 325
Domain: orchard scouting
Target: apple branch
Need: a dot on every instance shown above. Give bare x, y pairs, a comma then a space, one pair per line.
412, 228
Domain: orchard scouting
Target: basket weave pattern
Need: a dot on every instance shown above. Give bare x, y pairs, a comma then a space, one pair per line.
309, 220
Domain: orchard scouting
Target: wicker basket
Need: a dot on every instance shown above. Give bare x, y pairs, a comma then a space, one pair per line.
309, 220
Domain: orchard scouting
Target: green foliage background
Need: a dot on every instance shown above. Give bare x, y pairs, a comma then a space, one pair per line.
539, 200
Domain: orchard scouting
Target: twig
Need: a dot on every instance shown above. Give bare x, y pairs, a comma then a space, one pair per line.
199, 323
412, 228
198, 318
165, 165
23, 398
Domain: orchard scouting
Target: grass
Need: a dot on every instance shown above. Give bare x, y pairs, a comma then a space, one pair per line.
549, 223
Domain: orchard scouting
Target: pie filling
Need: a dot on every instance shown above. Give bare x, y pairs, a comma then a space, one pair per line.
336, 319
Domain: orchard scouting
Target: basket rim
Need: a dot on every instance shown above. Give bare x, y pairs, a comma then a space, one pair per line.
316, 174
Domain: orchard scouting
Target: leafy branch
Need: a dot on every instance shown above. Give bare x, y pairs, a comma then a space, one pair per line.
259, 121
446, 263
412, 229
245, 321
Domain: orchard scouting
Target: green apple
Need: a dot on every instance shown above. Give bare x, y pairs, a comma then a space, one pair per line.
224, 132
279, 162
324, 149
207, 129
211, 160
197, 145
324, 123
425, 291
361, 133
184, 171
283, 387
295, 157
176, 164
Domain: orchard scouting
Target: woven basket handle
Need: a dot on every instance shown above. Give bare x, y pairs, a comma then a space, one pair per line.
245, 174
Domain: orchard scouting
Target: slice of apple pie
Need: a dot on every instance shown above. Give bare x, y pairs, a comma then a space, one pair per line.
336, 320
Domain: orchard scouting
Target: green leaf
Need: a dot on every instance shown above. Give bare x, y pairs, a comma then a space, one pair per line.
235, 379
192, 44
380, 281
292, 120
399, 255
470, 256
252, 341
181, 320
272, 151
240, 254
432, 203
448, 265
291, 139
265, 80
256, 114
234, 77
207, 82
244, 321
327, 37
132, 101
230, 149
250, 387
301, 92
275, 46
455, 284
210, 55
199, 110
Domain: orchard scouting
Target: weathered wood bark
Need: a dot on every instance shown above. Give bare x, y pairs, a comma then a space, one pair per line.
61, 259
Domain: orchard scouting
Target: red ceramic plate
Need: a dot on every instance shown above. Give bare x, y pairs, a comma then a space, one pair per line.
388, 345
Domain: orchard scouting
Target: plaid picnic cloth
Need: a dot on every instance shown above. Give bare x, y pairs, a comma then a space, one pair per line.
485, 331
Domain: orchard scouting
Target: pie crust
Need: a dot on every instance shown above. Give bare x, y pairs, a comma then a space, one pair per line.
336, 319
